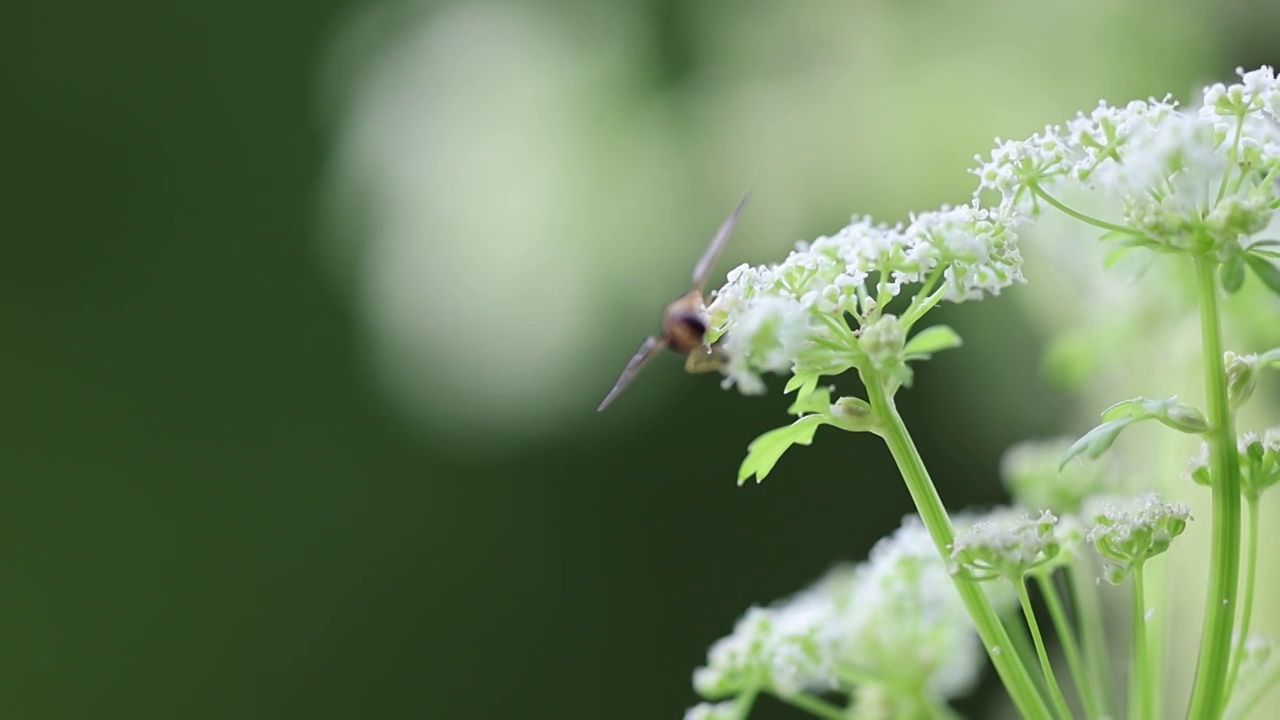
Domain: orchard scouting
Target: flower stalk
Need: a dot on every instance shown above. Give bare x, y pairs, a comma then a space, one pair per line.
1015, 676
1209, 693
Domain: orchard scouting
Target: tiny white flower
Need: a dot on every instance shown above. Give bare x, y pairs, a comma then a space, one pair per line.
1006, 545
1130, 531
794, 316
1182, 180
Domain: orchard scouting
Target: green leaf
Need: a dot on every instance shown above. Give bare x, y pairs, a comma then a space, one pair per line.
1266, 272
765, 451
815, 401
1098, 440
805, 382
1264, 248
1127, 408
1231, 273
931, 340
1115, 255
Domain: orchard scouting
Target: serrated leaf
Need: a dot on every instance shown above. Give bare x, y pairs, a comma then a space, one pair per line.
931, 340
1231, 273
1262, 244
805, 382
1097, 441
765, 451
1266, 271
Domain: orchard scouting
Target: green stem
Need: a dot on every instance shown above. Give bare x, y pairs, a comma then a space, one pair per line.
1093, 631
814, 705
921, 305
1082, 217
1141, 680
1208, 694
1021, 640
1250, 572
1055, 690
1235, 153
744, 703
1014, 675
1070, 648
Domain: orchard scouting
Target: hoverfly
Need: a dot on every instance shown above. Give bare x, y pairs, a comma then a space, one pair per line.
684, 323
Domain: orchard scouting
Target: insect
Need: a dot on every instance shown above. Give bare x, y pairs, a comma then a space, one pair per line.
684, 323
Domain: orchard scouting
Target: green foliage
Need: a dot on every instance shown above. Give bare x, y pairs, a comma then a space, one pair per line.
1170, 412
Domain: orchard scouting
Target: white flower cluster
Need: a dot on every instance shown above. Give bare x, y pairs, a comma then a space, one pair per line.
1131, 531
785, 647
1179, 179
1009, 546
791, 316
888, 624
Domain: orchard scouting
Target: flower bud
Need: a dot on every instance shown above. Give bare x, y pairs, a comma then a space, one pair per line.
883, 341
1259, 461
1198, 467
1184, 417
1242, 377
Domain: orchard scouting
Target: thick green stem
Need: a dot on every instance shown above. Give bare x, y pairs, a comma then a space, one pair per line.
1093, 631
1070, 648
1142, 681
1014, 675
1250, 573
1208, 696
1055, 690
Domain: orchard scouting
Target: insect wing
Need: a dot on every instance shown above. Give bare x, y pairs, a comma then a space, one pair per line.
702, 271
651, 347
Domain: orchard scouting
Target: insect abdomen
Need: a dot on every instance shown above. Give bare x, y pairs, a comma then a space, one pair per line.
685, 332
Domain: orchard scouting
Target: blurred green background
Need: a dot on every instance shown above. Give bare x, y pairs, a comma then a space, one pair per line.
308, 307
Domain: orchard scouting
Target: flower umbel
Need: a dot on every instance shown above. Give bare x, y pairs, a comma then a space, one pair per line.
794, 317
1175, 180
1128, 533
1006, 548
